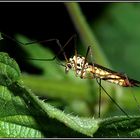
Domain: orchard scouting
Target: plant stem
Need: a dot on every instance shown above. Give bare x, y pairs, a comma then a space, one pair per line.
86, 33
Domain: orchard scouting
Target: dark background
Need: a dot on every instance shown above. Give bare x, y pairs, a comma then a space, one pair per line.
43, 19
40, 21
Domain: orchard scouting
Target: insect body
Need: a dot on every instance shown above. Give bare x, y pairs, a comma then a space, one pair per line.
85, 70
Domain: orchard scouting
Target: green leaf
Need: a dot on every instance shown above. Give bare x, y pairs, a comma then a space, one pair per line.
85, 126
10, 128
119, 127
9, 70
15, 115
15, 119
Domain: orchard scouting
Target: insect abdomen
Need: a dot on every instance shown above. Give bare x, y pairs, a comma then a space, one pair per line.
113, 77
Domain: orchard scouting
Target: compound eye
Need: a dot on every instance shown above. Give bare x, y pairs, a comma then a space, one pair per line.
78, 64
69, 66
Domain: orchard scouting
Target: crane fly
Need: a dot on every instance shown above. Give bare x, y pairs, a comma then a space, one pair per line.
86, 70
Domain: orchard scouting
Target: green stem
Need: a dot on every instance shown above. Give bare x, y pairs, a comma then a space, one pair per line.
86, 33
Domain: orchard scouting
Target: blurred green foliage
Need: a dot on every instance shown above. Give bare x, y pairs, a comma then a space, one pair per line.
118, 32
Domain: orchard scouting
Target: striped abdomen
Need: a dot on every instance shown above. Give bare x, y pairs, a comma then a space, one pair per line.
112, 76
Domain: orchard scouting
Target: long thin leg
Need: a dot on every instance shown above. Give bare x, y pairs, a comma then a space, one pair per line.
85, 62
49, 40
99, 115
76, 54
99, 98
101, 87
62, 48
112, 99
91, 56
138, 105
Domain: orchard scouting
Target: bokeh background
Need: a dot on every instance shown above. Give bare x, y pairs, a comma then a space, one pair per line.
116, 30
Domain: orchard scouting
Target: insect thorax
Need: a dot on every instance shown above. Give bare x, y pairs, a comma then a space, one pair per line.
77, 64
